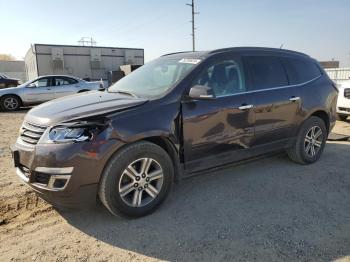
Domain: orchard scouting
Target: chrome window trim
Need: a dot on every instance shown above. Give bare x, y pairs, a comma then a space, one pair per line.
272, 88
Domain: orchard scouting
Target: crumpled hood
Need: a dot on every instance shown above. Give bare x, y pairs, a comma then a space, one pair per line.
80, 105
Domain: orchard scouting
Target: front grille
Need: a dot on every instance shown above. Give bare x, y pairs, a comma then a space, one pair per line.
347, 92
30, 133
344, 109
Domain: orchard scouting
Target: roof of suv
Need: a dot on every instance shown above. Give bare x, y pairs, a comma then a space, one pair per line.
236, 49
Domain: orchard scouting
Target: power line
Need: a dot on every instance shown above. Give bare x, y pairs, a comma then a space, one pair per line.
193, 27
87, 41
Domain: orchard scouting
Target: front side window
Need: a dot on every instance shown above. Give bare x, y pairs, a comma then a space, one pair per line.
299, 70
223, 77
266, 72
43, 82
155, 78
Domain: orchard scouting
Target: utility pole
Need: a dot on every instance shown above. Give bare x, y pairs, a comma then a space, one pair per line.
193, 27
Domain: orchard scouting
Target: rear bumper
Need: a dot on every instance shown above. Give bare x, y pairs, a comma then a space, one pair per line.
65, 175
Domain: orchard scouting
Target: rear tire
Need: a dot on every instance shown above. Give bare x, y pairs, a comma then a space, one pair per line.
131, 185
10, 103
310, 141
342, 117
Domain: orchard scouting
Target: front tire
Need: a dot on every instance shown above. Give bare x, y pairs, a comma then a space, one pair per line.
136, 180
310, 141
10, 103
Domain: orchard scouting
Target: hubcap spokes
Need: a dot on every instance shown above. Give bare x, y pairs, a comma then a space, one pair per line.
10, 103
313, 141
141, 182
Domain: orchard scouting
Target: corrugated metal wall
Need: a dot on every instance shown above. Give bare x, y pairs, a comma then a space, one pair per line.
83, 61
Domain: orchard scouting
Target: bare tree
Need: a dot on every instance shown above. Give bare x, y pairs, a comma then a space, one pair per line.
7, 57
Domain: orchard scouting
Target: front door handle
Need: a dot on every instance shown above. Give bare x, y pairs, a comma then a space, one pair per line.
245, 107
294, 98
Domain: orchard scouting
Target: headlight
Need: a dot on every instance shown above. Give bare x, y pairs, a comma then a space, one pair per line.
70, 134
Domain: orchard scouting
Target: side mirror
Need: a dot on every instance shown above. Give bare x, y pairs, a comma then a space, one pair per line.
201, 92
31, 85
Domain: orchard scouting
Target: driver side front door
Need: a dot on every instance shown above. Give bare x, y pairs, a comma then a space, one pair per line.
219, 130
39, 91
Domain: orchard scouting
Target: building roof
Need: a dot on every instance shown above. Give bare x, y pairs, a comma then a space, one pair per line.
81, 46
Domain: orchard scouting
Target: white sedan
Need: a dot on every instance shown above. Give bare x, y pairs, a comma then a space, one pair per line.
343, 105
43, 89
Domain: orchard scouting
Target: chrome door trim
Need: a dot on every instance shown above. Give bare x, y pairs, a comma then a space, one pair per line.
272, 88
296, 98
245, 107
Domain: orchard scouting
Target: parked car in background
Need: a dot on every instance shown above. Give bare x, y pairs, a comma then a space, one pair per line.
43, 89
343, 105
6, 81
173, 117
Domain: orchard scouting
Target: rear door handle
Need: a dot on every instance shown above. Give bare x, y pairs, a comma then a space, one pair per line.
245, 107
294, 98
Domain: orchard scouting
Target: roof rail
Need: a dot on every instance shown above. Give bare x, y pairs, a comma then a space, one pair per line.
255, 48
175, 53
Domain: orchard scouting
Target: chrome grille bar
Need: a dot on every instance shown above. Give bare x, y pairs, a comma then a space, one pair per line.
31, 133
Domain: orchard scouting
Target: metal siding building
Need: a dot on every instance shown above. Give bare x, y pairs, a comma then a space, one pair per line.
81, 61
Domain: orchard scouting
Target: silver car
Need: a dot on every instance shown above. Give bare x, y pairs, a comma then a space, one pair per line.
43, 89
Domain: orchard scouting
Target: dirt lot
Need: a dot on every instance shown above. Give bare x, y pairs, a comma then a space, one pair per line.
267, 210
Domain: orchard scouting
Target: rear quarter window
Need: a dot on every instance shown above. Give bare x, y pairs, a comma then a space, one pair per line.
266, 72
299, 70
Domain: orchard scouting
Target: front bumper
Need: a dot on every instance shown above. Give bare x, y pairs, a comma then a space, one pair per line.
65, 175
343, 104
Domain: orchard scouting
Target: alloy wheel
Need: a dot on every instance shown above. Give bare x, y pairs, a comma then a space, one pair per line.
313, 141
10, 103
141, 182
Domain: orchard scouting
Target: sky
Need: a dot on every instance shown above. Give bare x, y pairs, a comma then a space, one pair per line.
319, 28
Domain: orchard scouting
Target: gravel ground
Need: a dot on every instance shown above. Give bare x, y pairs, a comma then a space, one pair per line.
266, 210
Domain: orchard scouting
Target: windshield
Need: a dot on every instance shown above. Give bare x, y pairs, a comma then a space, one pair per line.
154, 78
26, 83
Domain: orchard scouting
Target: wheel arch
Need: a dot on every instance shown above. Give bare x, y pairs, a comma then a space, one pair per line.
171, 149
6, 95
164, 142
324, 116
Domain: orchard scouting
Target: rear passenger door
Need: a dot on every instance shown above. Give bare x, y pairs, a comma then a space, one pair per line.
64, 86
276, 103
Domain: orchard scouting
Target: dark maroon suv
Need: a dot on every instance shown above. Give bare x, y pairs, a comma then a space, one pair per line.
179, 114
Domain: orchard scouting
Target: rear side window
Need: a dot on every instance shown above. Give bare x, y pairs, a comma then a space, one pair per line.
61, 82
71, 81
266, 72
299, 70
